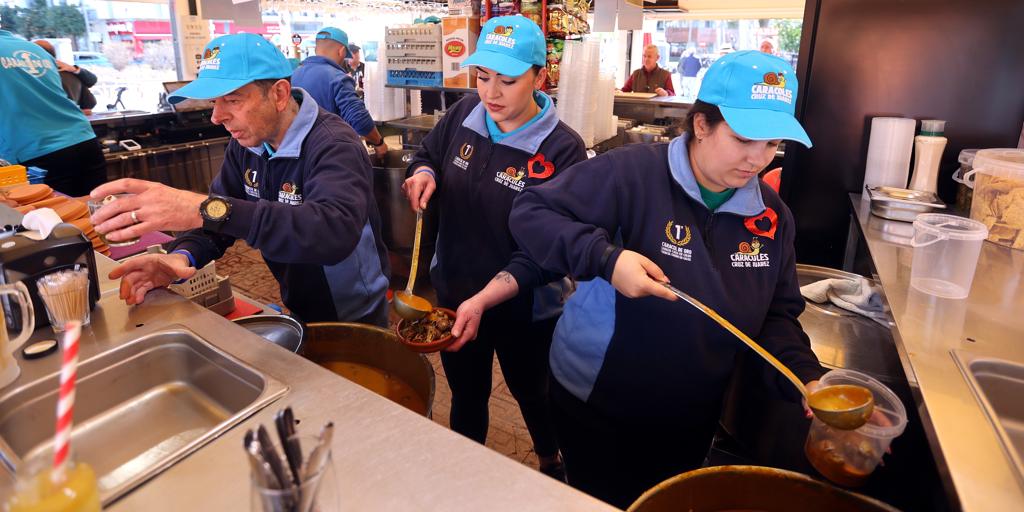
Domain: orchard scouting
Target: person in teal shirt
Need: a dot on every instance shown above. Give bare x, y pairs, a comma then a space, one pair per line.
40, 126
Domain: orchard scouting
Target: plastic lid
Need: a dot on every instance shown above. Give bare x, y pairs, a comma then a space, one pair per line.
933, 127
967, 157
886, 403
950, 226
1010, 157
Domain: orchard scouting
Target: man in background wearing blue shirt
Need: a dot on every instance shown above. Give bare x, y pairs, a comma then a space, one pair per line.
689, 68
40, 126
324, 78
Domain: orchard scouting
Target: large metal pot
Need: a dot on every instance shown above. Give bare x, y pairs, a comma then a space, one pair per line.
399, 221
751, 488
328, 342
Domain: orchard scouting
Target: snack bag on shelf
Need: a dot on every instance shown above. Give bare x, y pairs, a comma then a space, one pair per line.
504, 7
558, 21
532, 9
555, 49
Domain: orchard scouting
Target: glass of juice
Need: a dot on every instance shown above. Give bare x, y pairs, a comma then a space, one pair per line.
36, 490
96, 205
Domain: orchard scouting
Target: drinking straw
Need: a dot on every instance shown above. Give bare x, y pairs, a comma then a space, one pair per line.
66, 400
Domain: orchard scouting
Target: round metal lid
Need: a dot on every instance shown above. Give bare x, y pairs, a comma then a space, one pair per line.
281, 330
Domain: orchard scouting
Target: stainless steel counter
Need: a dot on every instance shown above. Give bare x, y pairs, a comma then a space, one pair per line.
990, 322
386, 457
648, 110
423, 123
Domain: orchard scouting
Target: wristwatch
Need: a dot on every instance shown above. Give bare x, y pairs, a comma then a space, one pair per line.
215, 210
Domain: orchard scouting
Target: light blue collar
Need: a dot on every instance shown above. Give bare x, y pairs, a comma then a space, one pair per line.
528, 137
497, 135
747, 200
291, 146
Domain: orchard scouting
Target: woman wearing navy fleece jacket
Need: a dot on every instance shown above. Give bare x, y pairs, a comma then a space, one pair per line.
484, 152
638, 380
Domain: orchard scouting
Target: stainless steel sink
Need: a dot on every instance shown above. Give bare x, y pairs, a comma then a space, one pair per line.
138, 408
999, 385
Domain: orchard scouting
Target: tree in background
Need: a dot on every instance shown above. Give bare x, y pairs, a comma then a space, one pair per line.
44, 21
9, 18
66, 21
120, 55
789, 34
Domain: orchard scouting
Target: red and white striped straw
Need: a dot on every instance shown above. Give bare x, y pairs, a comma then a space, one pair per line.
66, 400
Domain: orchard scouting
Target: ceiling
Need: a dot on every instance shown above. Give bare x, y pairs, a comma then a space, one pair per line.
723, 9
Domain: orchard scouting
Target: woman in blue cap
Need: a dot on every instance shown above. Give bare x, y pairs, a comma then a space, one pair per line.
486, 150
638, 379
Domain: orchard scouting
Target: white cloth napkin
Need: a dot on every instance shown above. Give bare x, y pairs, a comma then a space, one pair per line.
855, 295
39, 223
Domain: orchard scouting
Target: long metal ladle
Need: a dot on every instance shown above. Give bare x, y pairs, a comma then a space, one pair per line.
844, 406
407, 305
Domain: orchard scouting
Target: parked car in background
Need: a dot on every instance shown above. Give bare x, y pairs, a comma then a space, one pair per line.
91, 60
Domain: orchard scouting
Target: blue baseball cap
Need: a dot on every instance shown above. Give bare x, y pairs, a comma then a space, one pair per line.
509, 45
334, 34
231, 62
756, 93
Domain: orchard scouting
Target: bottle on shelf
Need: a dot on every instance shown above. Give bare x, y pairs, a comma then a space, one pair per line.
928, 148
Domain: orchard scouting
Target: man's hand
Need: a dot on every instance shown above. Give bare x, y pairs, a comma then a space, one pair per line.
64, 66
418, 189
141, 274
157, 207
661, 92
381, 151
637, 276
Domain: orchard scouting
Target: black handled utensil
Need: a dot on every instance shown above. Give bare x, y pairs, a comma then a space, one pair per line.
270, 455
285, 422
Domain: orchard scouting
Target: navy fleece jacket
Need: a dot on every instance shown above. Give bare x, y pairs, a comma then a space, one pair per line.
477, 180
649, 358
309, 209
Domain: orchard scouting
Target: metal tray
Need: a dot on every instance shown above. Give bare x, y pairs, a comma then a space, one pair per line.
842, 339
902, 204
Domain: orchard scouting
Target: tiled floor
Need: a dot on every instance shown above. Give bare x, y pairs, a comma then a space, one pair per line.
507, 434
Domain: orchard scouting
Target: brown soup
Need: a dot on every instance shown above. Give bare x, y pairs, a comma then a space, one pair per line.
380, 382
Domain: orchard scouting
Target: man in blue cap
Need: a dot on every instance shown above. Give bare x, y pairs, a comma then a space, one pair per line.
638, 378
296, 184
39, 125
324, 78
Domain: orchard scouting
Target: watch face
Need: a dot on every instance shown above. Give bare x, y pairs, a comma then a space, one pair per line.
216, 209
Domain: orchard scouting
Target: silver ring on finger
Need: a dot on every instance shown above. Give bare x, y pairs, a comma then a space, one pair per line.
135, 218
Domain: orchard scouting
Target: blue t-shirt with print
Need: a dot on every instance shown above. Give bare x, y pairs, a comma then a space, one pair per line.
38, 118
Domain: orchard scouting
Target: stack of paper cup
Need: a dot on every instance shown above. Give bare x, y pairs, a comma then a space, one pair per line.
889, 150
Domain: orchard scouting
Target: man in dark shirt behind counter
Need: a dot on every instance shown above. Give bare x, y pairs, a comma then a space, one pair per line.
296, 184
323, 77
650, 77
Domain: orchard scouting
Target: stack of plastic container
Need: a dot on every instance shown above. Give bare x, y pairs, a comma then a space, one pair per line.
585, 97
383, 103
605, 123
